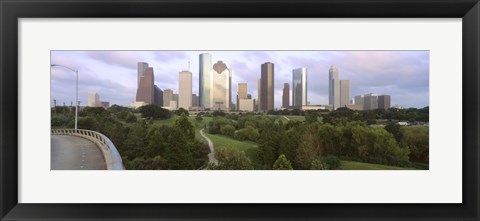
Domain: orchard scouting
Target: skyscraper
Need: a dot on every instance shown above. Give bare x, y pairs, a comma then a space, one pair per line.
141, 67
175, 98
344, 92
93, 99
333, 88
259, 104
231, 106
299, 87
384, 101
167, 97
158, 95
241, 94
194, 100
286, 95
220, 89
185, 90
145, 90
204, 80
358, 100
267, 82
370, 101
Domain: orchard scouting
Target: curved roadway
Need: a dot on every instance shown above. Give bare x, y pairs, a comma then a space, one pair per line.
75, 153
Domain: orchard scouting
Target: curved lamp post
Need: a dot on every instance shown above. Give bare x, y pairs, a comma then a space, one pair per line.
76, 95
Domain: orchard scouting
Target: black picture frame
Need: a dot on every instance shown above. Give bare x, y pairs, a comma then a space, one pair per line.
12, 10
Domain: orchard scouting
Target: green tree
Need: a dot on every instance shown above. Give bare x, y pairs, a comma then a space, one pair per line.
282, 163
88, 123
307, 150
186, 126
230, 158
60, 120
247, 133
131, 118
218, 113
317, 164
181, 111
311, 116
227, 130
331, 162
267, 148
178, 150
417, 140
199, 118
215, 125
394, 129
153, 111
135, 142
94, 111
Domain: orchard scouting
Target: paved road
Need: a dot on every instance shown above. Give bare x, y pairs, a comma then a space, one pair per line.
211, 155
75, 153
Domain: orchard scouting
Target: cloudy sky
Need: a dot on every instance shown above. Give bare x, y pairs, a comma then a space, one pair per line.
112, 74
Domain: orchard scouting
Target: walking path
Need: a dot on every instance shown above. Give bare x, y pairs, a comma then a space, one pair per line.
286, 118
211, 155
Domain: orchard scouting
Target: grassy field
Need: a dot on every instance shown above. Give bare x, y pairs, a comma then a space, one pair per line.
198, 125
352, 165
221, 141
297, 118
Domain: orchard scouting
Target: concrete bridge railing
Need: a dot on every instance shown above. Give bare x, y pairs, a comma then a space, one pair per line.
110, 153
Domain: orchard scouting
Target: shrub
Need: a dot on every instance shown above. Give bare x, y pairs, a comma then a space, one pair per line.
247, 133
60, 121
227, 130
131, 118
331, 162
317, 164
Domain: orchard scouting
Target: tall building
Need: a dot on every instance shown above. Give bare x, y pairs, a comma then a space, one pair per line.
93, 99
175, 98
204, 80
333, 88
241, 93
158, 95
286, 95
141, 67
384, 102
299, 87
358, 100
105, 104
185, 90
145, 90
167, 97
259, 105
195, 102
231, 106
267, 90
370, 101
344, 92
246, 105
220, 90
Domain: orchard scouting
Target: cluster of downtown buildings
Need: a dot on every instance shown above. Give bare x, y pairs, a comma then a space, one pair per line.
215, 90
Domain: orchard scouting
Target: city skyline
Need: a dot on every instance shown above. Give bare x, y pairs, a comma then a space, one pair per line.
401, 74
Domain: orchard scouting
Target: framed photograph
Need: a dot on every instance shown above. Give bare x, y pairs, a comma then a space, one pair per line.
239, 110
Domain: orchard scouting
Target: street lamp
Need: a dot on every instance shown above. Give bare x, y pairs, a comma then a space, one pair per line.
76, 95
